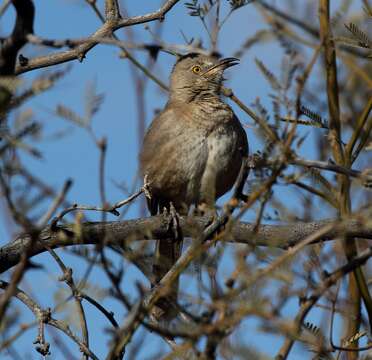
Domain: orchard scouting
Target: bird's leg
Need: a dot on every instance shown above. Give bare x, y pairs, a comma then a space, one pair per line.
210, 214
242, 178
177, 231
167, 252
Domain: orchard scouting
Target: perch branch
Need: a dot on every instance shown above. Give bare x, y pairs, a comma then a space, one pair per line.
118, 232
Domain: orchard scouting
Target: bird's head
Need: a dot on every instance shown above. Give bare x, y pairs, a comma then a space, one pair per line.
197, 76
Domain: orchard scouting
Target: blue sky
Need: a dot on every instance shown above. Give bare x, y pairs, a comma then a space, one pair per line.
76, 156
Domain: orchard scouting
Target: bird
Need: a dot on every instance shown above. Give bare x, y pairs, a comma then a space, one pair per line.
192, 152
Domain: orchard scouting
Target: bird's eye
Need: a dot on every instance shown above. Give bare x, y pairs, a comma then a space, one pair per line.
196, 69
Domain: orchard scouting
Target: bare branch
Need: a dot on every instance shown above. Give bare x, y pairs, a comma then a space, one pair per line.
104, 31
112, 11
156, 227
317, 294
58, 200
23, 26
110, 209
44, 317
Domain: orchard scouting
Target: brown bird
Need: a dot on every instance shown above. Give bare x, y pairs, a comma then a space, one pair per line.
192, 151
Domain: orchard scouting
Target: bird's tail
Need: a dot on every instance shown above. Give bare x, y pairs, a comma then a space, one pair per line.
166, 254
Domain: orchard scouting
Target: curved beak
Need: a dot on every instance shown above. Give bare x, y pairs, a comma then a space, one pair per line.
222, 64
228, 62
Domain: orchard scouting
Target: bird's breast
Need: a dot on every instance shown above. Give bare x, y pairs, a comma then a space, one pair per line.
177, 149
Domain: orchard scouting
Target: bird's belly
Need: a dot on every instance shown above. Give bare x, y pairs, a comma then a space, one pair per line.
225, 156
226, 161
178, 173
194, 168
177, 170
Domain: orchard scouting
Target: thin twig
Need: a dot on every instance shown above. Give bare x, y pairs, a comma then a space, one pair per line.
269, 132
45, 317
23, 327
4, 7
58, 200
109, 314
149, 47
110, 209
27, 225
105, 30
337, 347
328, 166
68, 279
361, 133
311, 300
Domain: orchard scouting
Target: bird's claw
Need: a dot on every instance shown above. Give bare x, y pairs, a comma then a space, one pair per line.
173, 220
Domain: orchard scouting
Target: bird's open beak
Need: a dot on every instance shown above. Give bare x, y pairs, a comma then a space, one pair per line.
228, 62
222, 64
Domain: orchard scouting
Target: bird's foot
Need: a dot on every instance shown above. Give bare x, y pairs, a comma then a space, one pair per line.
172, 219
175, 221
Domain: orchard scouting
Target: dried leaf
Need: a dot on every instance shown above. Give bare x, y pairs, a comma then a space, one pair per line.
317, 120
93, 101
70, 115
270, 77
363, 39
236, 4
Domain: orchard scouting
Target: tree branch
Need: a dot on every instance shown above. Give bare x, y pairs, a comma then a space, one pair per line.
23, 26
44, 317
105, 30
318, 293
156, 227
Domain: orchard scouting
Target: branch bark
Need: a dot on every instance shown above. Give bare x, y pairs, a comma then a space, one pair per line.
106, 30
357, 283
44, 317
156, 227
23, 26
